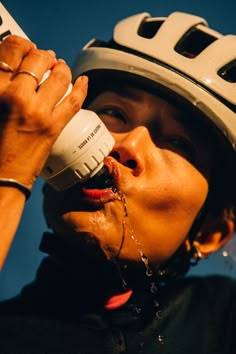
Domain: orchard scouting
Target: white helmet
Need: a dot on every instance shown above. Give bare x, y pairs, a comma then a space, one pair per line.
180, 53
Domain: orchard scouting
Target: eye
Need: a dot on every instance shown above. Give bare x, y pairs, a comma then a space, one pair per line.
183, 147
113, 113
113, 118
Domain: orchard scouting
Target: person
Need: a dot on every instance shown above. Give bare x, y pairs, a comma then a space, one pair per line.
113, 277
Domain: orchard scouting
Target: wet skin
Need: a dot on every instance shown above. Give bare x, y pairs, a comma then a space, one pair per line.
162, 169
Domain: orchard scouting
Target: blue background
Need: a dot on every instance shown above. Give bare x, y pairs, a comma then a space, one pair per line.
66, 26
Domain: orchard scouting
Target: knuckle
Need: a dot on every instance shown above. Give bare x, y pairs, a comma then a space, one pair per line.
14, 39
63, 77
39, 54
75, 103
15, 42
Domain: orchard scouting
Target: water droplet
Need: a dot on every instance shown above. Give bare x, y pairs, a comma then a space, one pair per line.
161, 273
159, 315
137, 310
144, 258
153, 288
156, 303
149, 273
161, 339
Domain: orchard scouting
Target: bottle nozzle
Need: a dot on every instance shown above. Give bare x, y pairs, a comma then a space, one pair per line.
101, 180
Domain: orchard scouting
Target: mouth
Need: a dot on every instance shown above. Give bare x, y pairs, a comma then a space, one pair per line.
103, 187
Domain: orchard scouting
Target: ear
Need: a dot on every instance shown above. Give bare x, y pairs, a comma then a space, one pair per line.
214, 234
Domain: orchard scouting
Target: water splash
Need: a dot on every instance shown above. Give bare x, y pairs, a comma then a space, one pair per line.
127, 229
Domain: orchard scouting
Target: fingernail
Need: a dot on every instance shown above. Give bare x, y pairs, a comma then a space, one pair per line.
83, 79
52, 53
62, 60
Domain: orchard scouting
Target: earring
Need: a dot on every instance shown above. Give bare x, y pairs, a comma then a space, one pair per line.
196, 255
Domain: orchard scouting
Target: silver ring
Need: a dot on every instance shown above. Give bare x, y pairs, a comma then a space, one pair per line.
30, 73
5, 67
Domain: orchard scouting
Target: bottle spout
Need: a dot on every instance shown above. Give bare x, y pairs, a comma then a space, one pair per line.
101, 180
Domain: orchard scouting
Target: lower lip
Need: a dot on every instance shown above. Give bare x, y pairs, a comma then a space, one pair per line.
99, 196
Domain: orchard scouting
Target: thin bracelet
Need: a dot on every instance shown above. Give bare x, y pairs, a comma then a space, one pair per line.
11, 182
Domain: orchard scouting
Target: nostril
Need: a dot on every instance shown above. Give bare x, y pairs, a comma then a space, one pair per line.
116, 155
131, 164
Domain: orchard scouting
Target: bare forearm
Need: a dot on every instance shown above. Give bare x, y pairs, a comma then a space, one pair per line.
31, 118
12, 203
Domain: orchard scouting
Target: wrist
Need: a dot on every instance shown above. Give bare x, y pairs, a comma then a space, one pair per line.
11, 182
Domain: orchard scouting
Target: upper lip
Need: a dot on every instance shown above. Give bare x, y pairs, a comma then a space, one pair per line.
113, 169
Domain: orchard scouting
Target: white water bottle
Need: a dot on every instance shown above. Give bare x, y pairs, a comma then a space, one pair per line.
79, 152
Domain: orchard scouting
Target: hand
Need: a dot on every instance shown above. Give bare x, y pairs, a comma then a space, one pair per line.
32, 116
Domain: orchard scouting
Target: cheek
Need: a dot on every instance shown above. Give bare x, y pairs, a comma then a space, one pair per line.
172, 195
188, 194
163, 216
175, 184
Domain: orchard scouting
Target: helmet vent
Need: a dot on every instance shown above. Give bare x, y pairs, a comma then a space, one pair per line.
148, 29
228, 72
193, 43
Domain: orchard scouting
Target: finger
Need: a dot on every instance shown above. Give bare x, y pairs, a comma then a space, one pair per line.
12, 50
72, 103
56, 85
33, 67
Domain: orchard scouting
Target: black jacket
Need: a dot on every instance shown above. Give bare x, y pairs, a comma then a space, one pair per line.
63, 311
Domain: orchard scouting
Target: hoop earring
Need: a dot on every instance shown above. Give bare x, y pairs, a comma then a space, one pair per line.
196, 255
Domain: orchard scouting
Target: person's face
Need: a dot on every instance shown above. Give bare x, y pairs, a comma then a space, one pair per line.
161, 170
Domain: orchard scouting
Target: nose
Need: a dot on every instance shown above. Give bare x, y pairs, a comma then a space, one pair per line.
131, 148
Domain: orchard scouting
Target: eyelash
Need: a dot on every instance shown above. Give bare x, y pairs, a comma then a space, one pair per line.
113, 112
